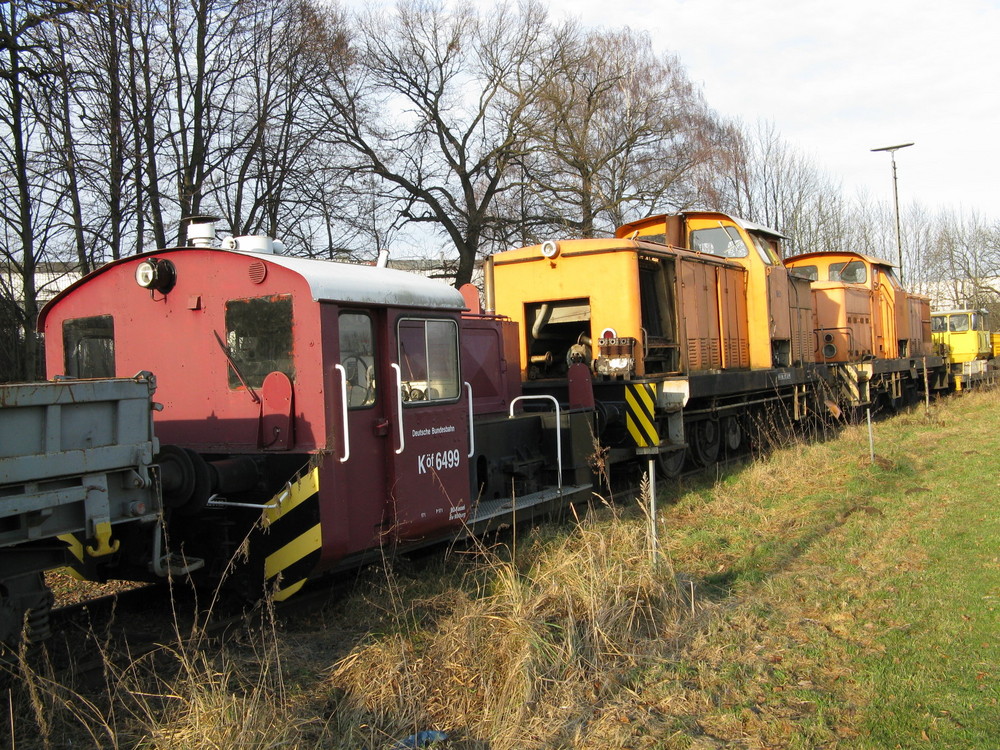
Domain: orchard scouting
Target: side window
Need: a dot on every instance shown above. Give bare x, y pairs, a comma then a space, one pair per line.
765, 250
428, 359
259, 338
357, 356
89, 347
806, 272
939, 323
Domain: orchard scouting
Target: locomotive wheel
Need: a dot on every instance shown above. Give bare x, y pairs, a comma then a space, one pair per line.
670, 464
707, 442
733, 432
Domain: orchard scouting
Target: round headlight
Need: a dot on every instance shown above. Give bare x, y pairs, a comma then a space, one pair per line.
550, 249
145, 274
156, 274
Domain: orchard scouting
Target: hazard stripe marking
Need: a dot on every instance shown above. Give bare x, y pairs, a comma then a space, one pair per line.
298, 492
640, 401
294, 532
292, 552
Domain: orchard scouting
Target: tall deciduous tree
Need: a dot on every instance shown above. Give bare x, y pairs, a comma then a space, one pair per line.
618, 132
438, 104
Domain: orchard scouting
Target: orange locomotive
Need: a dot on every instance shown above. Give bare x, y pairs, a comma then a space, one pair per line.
875, 335
687, 325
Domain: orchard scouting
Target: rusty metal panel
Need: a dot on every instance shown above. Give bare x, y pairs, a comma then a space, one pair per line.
778, 302
733, 306
800, 302
919, 308
700, 313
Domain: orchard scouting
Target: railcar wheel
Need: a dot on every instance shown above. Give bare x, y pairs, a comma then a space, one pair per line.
707, 442
733, 432
670, 464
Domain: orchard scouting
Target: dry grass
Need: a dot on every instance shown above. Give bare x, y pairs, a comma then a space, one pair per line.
523, 658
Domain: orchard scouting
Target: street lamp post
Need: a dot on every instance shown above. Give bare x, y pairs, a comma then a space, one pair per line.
895, 197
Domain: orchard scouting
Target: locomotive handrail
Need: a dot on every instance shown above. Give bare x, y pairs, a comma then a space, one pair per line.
343, 400
472, 432
555, 401
399, 406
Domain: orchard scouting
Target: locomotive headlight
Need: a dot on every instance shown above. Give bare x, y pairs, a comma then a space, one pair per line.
550, 249
145, 272
156, 274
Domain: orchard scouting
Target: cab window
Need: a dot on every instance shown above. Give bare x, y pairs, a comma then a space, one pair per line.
806, 272
428, 360
722, 241
958, 323
89, 347
850, 272
357, 356
939, 323
259, 339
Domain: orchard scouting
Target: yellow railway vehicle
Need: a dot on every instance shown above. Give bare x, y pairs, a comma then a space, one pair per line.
962, 336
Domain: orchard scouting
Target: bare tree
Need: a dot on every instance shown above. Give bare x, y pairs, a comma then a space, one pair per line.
618, 133
436, 103
29, 194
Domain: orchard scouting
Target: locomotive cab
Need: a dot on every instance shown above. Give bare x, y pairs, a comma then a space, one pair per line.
778, 306
862, 311
963, 337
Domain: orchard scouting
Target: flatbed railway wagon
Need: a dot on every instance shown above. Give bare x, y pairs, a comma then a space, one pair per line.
76, 465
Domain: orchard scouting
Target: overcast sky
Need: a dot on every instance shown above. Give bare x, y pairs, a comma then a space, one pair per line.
839, 78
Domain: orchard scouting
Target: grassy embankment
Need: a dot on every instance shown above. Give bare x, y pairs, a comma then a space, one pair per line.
836, 603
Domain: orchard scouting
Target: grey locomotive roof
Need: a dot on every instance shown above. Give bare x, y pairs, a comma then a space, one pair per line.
347, 282
752, 227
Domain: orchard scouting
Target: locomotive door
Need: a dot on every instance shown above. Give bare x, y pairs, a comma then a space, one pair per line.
359, 462
428, 455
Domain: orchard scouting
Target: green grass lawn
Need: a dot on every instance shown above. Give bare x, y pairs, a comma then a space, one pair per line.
861, 607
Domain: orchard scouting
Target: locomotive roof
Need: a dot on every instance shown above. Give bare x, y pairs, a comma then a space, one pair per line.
821, 253
350, 282
328, 281
748, 226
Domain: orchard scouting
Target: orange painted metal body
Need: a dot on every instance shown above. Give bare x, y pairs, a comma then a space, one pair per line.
777, 307
862, 311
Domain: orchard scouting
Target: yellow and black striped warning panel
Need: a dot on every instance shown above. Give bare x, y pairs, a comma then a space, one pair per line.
640, 402
853, 381
293, 535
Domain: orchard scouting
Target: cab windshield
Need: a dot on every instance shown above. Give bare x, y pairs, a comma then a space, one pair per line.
722, 241
850, 272
806, 272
